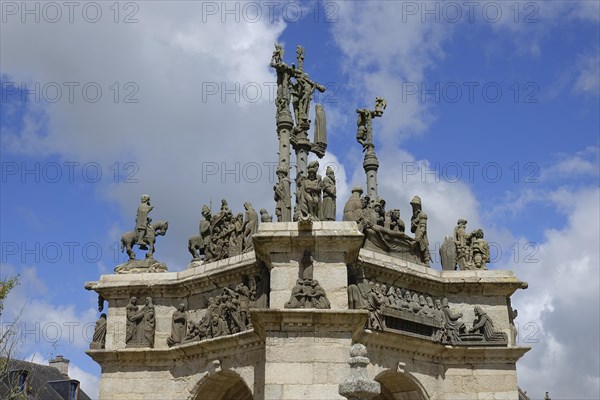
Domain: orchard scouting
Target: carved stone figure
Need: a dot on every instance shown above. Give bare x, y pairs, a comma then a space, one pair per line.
302, 91
448, 254
358, 293
320, 137
300, 57
396, 223
480, 250
284, 73
283, 199
453, 326
225, 314
307, 293
250, 226
364, 132
418, 226
375, 300
99, 338
379, 208
264, 216
512, 315
178, 326
310, 193
277, 57
205, 228
151, 232
149, 323
134, 327
353, 207
142, 221
328, 208
460, 240
484, 325
298, 296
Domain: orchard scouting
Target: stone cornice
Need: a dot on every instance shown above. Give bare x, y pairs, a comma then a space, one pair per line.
205, 349
307, 320
426, 350
177, 284
322, 236
392, 270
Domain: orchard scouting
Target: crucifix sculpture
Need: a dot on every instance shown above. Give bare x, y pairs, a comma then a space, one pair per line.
295, 86
364, 136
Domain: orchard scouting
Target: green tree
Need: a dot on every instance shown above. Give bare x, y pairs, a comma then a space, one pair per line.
10, 389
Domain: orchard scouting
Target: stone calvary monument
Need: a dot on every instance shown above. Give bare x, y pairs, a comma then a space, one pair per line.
301, 306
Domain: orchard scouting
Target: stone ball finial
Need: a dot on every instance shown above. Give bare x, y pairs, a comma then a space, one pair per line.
358, 350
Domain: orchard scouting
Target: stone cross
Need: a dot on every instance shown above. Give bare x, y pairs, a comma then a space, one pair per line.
364, 136
295, 86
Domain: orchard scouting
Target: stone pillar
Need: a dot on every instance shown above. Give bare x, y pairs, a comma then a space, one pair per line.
304, 350
371, 165
302, 149
332, 245
284, 127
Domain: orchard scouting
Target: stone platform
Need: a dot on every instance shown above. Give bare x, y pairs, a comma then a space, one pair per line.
302, 353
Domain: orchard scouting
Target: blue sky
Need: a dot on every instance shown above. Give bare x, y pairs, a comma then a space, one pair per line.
509, 101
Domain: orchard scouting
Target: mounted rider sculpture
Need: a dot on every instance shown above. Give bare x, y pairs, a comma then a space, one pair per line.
145, 233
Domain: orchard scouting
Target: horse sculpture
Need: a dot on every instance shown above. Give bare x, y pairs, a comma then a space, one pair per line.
129, 239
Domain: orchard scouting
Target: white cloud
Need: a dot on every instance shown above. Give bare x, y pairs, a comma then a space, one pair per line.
558, 314
178, 131
588, 78
41, 323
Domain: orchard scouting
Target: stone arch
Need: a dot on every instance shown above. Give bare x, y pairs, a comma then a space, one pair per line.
225, 385
400, 386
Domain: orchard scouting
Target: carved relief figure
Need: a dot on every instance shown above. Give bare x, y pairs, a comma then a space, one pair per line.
178, 326
250, 226
453, 326
480, 250
418, 226
460, 240
484, 325
264, 216
142, 220
283, 206
329, 196
149, 323
99, 338
134, 323
353, 207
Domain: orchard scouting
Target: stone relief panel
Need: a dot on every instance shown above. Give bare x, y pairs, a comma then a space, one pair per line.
398, 309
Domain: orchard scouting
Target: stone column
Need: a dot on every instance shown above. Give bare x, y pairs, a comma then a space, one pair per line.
371, 165
284, 127
302, 149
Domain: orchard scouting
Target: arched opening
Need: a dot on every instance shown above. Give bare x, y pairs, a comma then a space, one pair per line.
223, 386
400, 386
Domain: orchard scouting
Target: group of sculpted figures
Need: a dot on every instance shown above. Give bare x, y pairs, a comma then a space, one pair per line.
467, 251
226, 314
140, 324
224, 235
307, 293
315, 196
385, 229
436, 313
